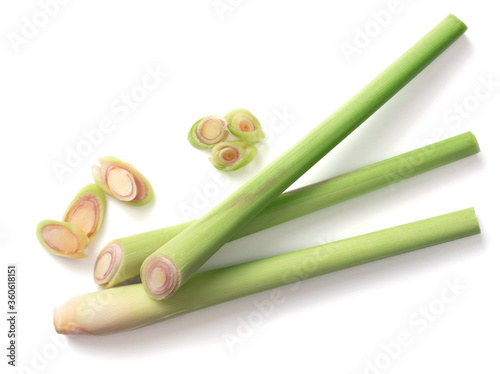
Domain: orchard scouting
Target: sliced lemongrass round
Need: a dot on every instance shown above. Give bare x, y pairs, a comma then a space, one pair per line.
62, 238
86, 211
84, 217
207, 132
108, 263
229, 156
244, 125
121, 180
121, 184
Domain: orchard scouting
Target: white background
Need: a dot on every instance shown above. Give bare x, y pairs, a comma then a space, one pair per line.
268, 57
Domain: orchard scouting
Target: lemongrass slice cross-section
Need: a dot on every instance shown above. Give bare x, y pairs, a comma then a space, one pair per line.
62, 238
86, 211
229, 156
207, 132
121, 180
108, 263
244, 125
162, 276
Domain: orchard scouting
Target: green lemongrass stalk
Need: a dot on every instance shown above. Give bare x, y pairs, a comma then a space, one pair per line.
129, 307
121, 259
163, 272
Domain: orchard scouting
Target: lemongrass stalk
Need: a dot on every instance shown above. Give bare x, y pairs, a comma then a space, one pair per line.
233, 155
121, 259
122, 181
163, 272
130, 307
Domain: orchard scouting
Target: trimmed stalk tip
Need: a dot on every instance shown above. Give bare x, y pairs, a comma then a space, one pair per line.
86, 211
229, 156
207, 132
244, 125
121, 180
62, 238
63, 327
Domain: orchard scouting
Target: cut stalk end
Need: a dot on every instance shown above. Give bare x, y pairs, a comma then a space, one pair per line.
69, 328
107, 264
459, 23
161, 277
57, 320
